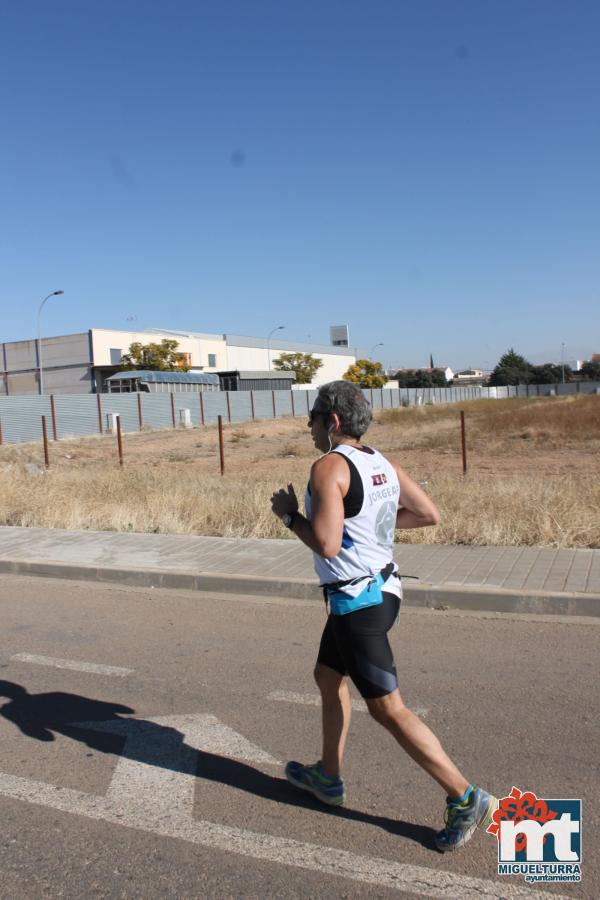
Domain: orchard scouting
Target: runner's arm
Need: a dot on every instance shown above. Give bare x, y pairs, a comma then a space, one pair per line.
329, 482
417, 510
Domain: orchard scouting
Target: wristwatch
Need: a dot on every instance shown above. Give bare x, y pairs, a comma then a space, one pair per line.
288, 518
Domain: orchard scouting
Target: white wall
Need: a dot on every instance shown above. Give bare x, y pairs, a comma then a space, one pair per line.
103, 340
257, 358
228, 357
254, 359
218, 347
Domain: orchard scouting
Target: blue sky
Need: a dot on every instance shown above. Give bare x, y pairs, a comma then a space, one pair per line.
426, 172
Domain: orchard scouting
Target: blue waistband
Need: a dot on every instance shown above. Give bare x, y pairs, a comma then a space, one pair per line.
341, 603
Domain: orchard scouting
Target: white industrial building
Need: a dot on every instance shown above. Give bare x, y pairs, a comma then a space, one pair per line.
81, 363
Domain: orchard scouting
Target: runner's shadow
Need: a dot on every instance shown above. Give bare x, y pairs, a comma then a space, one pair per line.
239, 775
42, 716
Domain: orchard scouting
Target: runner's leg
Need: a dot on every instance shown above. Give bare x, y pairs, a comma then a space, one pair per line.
363, 644
418, 740
335, 708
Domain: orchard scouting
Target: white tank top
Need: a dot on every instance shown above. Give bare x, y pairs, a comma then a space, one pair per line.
369, 521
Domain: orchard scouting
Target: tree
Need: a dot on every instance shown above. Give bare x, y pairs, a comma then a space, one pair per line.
366, 373
421, 378
512, 369
549, 373
162, 357
590, 371
303, 365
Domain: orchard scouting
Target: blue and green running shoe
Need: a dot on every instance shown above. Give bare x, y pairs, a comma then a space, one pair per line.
463, 818
326, 788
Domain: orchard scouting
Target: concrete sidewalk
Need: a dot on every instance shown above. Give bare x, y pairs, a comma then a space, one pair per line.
504, 579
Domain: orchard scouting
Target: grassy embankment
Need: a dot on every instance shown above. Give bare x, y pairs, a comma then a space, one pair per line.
534, 468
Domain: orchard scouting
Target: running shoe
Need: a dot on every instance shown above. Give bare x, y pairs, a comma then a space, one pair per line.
326, 788
462, 820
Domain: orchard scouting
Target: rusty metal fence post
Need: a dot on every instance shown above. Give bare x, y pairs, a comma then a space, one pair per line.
463, 442
99, 413
119, 440
140, 417
53, 411
221, 445
45, 439
173, 409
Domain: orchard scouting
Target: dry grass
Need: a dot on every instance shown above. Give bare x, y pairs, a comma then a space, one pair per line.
533, 475
503, 425
520, 510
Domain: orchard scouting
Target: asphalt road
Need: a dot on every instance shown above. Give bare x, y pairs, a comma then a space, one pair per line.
192, 702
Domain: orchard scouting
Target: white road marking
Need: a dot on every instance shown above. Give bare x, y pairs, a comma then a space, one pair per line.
311, 699
419, 880
213, 736
315, 700
76, 665
157, 769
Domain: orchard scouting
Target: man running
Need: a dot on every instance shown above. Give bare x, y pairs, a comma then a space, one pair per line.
354, 501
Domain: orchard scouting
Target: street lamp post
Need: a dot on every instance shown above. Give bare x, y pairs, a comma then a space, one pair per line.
277, 328
39, 329
562, 361
373, 348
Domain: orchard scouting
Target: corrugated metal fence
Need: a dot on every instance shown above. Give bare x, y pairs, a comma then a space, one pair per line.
78, 414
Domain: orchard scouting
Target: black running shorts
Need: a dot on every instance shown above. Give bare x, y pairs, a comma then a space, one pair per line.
357, 645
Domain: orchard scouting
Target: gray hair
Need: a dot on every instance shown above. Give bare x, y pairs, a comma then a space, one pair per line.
349, 403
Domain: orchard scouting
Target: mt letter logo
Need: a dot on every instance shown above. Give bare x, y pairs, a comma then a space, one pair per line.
380, 478
540, 839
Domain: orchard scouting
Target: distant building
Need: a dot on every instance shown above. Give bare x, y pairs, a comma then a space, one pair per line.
339, 336
82, 363
471, 376
574, 364
153, 382
256, 381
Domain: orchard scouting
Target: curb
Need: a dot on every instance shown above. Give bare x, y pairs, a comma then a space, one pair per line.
422, 595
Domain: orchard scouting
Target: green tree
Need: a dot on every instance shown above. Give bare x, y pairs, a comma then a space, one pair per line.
163, 357
512, 369
421, 378
366, 373
303, 365
549, 373
590, 371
